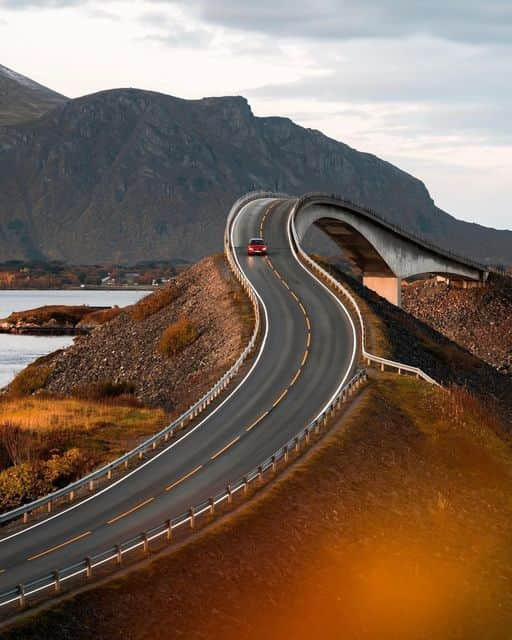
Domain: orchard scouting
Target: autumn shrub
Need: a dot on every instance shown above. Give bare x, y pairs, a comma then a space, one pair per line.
31, 379
101, 317
105, 390
155, 302
177, 336
29, 480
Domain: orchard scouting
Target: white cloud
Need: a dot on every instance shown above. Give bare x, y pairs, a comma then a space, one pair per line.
424, 85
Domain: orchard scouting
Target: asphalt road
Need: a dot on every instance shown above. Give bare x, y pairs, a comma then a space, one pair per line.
308, 352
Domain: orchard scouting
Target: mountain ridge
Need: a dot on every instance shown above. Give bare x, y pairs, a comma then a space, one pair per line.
125, 175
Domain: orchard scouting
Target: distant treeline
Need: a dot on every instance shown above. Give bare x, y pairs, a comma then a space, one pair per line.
38, 274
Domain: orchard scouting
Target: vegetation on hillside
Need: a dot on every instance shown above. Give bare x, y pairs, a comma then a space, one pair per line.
47, 442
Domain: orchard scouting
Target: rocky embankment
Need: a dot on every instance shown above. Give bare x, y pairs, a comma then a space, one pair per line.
478, 319
56, 320
127, 352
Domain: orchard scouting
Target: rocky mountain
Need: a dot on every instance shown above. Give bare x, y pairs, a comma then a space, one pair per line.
22, 99
129, 175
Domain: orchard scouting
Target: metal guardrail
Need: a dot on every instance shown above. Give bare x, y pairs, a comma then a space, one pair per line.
337, 286
105, 472
53, 581
84, 569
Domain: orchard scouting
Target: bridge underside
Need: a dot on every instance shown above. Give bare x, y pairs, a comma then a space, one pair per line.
381, 256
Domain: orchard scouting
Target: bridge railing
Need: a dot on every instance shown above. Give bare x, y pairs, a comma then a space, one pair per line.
89, 482
337, 286
337, 200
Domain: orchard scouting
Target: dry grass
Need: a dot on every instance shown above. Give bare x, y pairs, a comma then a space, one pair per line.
154, 302
45, 414
102, 316
31, 379
60, 313
177, 336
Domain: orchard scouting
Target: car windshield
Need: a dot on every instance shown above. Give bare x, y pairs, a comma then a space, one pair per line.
256, 241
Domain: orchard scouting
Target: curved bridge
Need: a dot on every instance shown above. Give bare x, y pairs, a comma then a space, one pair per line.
381, 252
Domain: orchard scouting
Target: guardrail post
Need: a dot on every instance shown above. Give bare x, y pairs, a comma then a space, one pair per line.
211, 502
382, 366
307, 434
141, 454
285, 454
88, 567
109, 474
260, 474
119, 554
126, 464
49, 506
154, 445
230, 494
56, 577
169, 530
21, 596
246, 485
145, 540
192, 517
25, 517
91, 485
297, 445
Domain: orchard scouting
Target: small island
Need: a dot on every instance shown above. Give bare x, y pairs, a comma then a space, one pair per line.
57, 320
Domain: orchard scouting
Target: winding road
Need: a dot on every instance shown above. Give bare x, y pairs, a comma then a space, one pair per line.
308, 352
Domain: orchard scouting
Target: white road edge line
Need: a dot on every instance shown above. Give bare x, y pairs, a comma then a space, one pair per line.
172, 445
291, 225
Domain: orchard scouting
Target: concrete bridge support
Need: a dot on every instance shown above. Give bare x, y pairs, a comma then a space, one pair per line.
383, 254
388, 287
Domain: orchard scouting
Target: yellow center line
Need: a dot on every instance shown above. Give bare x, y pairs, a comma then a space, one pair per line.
308, 341
127, 513
183, 478
294, 379
229, 444
263, 415
59, 546
280, 398
305, 357
302, 309
295, 296
308, 324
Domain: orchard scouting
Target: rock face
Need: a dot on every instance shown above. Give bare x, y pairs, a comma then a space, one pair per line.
22, 99
478, 319
131, 175
125, 350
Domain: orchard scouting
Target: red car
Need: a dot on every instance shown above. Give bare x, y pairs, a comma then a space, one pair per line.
256, 247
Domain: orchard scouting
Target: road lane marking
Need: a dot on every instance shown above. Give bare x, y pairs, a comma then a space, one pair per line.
188, 433
127, 513
294, 379
280, 398
258, 420
308, 324
308, 341
59, 546
305, 357
183, 478
302, 308
229, 444
295, 295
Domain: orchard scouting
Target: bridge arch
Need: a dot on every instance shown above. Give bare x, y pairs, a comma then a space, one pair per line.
383, 253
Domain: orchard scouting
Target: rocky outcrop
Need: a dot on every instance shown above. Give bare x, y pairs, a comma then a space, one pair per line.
125, 350
479, 319
129, 175
54, 320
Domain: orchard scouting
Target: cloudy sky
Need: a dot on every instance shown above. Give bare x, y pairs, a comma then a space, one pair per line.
425, 84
